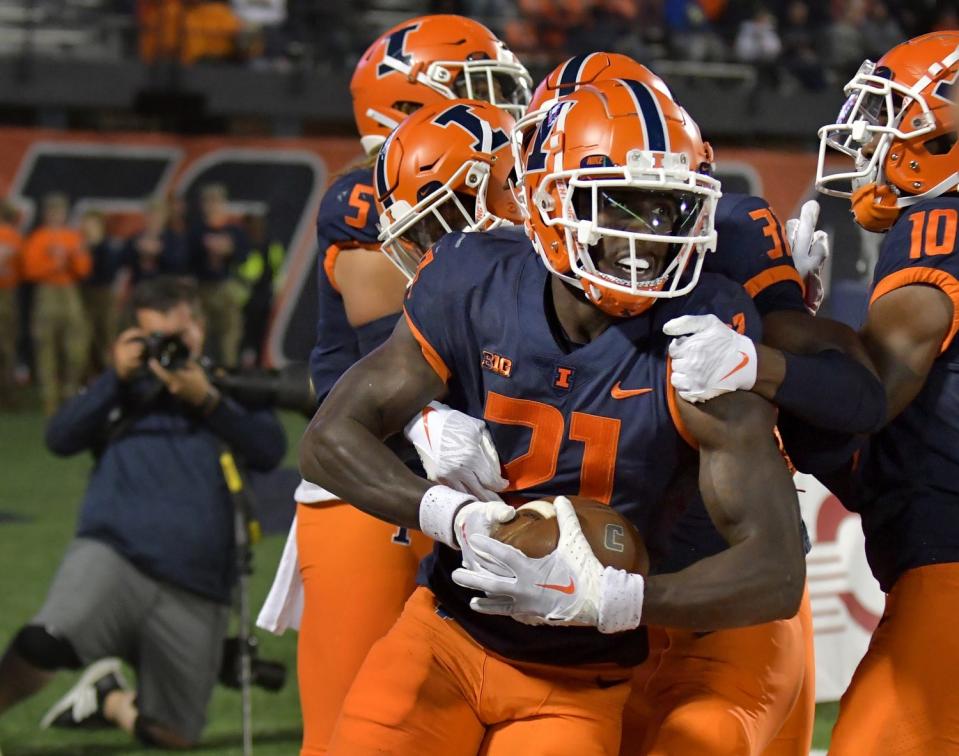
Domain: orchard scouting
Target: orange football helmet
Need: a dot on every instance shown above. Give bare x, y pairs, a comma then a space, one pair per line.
445, 168
898, 126
614, 166
427, 60
569, 76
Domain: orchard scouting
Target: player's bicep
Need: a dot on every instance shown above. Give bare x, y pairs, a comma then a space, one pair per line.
371, 286
387, 387
743, 479
904, 333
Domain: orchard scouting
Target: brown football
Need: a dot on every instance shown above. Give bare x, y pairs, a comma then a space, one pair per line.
614, 539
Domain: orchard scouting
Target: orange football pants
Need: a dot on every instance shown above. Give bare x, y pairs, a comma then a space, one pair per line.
904, 696
357, 573
428, 688
729, 692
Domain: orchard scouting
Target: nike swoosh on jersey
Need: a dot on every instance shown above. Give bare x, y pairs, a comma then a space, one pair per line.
567, 589
620, 393
740, 366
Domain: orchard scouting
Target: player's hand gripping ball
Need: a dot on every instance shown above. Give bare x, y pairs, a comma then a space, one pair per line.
560, 564
613, 539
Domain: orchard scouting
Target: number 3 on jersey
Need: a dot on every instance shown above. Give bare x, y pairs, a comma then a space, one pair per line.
599, 436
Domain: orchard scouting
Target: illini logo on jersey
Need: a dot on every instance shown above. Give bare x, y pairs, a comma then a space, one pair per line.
497, 363
563, 378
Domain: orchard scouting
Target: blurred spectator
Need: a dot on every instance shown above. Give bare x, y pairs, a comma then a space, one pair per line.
149, 574
757, 41
691, 34
97, 291
187, 30
10, 264
158, 249
260, 273
800, 56
217, 246
947, 18
880, 31
846, 51
56, 260
260, 12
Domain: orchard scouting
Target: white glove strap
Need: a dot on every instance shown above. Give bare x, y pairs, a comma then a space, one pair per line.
438, 509
621, 600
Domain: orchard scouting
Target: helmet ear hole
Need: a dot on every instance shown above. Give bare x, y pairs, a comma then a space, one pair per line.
941, 144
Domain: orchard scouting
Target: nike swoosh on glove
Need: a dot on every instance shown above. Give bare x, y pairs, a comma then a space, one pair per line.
456, 451
566, 587
709, 358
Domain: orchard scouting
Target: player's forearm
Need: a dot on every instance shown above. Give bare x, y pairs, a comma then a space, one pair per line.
828, 390
750, 497
743, 585
348, 459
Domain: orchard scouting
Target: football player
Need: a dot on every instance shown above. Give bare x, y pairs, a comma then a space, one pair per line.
568, 364
670, 699
898, 129
421, 62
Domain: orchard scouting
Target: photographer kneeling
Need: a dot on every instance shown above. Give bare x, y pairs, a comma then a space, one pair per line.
148, 577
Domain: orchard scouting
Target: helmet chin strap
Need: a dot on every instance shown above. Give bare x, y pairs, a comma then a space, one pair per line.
942, 187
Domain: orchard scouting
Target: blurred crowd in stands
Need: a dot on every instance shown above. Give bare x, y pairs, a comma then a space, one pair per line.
788, 42
813, 41
63, 285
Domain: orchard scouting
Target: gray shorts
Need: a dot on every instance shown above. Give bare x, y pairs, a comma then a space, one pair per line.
105, 606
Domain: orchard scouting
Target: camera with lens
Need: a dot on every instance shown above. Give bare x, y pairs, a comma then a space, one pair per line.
168, 349
269, 675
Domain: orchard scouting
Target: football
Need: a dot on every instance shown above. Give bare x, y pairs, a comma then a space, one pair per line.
614, 540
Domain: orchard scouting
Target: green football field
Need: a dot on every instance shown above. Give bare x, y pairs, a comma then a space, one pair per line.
44, 492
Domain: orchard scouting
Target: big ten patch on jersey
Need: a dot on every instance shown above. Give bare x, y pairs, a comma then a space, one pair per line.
753, 251
599, 420
347, 215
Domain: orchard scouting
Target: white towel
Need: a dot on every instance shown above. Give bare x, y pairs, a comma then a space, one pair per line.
283, 607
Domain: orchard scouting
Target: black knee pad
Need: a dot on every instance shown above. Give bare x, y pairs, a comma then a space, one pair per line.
44, 650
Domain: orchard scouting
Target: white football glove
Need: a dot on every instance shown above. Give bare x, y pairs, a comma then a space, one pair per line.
566, 587
457, 451
810, 250
453, 517
709, 358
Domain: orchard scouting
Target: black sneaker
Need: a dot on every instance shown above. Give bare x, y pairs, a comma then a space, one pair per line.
82, 706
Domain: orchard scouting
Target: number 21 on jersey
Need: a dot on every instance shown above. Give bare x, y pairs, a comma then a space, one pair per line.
599, 436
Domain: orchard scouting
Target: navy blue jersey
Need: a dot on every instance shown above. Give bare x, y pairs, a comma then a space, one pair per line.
752, 251
347, 220
598, 420
910, 469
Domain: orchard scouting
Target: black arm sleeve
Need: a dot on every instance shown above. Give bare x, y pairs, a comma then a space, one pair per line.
855, 401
